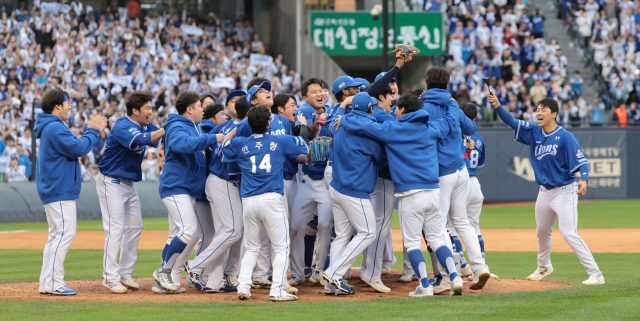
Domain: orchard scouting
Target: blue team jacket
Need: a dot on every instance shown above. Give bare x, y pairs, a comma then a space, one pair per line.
356, 159
382, 116
410, 145
57, 168
185, 165
435, 102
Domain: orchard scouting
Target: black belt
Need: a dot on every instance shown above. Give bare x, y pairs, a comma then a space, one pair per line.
471, 176
289, 177
549, 187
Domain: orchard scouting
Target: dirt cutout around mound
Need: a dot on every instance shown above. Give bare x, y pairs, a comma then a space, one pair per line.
93, 291
599, 240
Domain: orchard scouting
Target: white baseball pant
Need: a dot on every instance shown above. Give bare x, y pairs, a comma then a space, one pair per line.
265, 210
388, 257
311, 195
561, 204
122, 222
263, 261
420, 212
182, 221
62, 218
349, 213
382, 199
225, 196
205, 233
453, 200
474, 203
328, 175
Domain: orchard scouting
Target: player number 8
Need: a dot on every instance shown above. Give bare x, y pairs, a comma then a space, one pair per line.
473, 159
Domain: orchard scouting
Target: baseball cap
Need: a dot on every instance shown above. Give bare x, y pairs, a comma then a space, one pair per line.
307, 112
235, 93
344, 82
361, 101
364, 82
253, 90
374, 101
382, 74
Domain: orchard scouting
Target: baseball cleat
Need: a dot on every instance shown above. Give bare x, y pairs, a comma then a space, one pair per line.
284, 297
261, 284
316, 277
163, 276
289, 289
339, 284
594, 280
443, 286
231, 280
190, 283
540, 274
377, 285
46, 293
157, 288
421, 291
480, 278
224, 289
195, 277
128, 282
115, 287
64, 290
466, 271
244, 295
295, 281
307, 273
408, 276
456, 286
331, 290
386, 269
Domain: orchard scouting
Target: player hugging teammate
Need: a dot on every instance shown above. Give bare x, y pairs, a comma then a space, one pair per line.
270, 183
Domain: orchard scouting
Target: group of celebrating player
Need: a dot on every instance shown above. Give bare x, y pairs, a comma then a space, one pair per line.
247, 193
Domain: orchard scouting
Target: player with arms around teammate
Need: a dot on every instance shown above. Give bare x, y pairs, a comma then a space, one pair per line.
555, 156
58, 182
183, 178
119, 201
410, 146
261, 158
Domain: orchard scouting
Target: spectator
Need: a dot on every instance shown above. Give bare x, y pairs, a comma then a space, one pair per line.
576, 83
596, 109
15, 173
620, 116
10, 147
620, 92
634, 114
86, 173
23, 160
537, 92
149, 165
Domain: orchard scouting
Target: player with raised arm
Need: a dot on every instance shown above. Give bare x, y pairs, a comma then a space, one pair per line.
261, 158
453, 177
183, 179
58, 183
555, 156
356, 164
115, 184
410, 146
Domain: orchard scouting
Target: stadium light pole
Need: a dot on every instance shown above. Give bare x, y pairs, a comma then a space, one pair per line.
385, 34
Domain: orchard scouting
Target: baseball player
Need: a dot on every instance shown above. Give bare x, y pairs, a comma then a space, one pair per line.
356, 165
119, 201
453, 177
382, 199
183, 178
555, 156
261, 158
394, 92
223, 193
58, 183
410, 148
312, 192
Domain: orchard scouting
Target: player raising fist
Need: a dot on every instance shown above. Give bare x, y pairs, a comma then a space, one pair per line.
555, 156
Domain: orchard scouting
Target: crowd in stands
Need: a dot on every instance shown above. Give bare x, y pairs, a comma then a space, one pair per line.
504, 41
100, 57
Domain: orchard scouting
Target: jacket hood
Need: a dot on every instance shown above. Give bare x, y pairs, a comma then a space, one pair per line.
362, 114
418, 116
438, 97
176, 120
44, 120
207, 125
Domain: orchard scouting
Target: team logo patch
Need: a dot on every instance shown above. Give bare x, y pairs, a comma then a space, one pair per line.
579, 153
115, 181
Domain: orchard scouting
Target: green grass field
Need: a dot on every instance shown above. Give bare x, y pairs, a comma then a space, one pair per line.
618, 299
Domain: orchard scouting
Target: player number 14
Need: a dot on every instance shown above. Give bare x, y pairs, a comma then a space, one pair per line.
265, 164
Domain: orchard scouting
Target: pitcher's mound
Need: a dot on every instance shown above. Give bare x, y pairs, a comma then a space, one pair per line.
93, 291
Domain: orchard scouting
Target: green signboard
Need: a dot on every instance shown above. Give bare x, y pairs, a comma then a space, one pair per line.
357, 34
